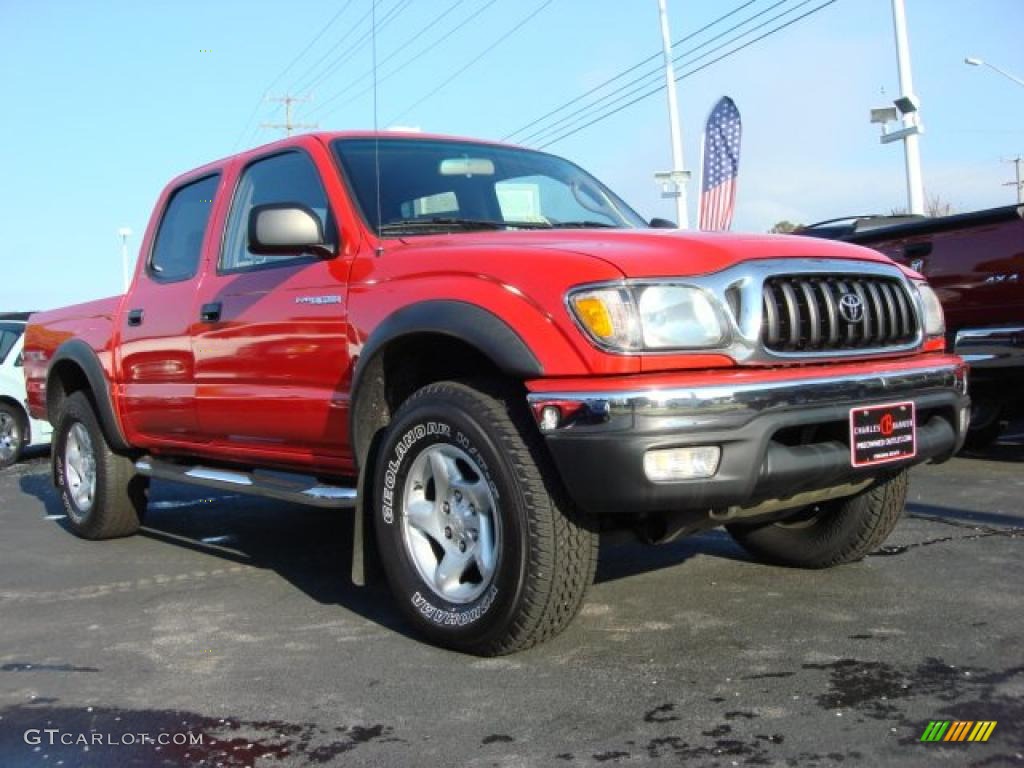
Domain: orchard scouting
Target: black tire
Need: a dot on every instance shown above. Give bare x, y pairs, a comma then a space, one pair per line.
13, 430
546, 550
119, 496
986, 425
829, 534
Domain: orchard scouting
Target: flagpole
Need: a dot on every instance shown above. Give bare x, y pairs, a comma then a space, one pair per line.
700, 179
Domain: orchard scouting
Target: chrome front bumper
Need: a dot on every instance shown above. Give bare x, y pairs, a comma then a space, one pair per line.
991, 347
735, 404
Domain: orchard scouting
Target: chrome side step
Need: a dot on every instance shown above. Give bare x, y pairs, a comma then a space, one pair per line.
273, 485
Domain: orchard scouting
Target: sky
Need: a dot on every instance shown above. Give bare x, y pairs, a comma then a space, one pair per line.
104, 102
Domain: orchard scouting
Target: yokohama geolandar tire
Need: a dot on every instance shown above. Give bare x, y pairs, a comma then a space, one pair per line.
103, 496
483, 550
833, 533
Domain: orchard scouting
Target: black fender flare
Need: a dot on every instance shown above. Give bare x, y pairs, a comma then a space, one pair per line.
469, 323
84, 357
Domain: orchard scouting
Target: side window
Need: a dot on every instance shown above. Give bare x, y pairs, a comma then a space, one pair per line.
179, 240
7, 339
286, 178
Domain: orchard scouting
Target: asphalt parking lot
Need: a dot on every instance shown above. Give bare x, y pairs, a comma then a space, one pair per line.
232, 620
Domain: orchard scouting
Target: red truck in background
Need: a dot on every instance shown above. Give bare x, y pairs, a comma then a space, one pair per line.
975, 263
491, 358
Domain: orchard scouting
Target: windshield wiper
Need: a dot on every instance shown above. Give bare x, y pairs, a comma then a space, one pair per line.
439, 224
584, 225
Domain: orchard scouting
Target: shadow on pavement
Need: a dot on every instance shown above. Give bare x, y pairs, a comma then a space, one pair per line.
966, 516
310, 548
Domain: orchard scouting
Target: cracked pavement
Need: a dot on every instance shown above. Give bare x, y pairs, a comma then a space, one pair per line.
233, 619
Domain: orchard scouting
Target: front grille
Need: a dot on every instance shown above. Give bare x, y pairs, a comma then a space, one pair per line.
813, 313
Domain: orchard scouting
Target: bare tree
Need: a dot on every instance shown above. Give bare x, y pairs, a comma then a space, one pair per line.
784, 227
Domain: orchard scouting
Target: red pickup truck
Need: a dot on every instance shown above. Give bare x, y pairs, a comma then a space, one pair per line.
975, 262
491, 358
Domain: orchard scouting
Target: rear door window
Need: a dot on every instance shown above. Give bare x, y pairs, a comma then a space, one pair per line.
179, 240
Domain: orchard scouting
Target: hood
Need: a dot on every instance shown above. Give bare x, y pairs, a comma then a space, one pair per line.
663, 252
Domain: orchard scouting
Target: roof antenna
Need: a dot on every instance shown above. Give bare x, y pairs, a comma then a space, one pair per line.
376, 135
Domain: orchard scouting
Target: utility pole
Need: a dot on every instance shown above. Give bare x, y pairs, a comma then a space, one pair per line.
1018, 183
909, 109
288, 126
675, 180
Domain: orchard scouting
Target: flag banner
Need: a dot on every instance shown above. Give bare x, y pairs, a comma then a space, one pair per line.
720, 164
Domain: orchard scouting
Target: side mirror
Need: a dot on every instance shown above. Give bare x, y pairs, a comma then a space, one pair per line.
663, 224
286, 229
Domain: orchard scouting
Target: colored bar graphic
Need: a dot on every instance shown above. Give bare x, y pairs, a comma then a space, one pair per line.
935, 730
959, 730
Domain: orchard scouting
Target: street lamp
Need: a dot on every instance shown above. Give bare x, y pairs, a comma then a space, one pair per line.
124, 233
976, 62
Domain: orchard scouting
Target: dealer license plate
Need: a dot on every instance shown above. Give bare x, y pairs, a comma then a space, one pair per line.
882, 433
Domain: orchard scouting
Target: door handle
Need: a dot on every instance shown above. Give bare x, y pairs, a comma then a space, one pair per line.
135, 317
210, 313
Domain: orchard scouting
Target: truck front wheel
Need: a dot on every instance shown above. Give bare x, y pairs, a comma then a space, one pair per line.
100, 490
482, 548
833, 533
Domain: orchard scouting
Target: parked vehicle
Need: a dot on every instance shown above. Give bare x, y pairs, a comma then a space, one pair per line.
17, 429
491, 358
975, 263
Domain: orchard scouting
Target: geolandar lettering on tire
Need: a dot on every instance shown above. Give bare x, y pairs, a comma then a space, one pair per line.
449, 618
463, 442
410, 438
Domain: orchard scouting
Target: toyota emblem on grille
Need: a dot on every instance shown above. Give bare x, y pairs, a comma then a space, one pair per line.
851, 308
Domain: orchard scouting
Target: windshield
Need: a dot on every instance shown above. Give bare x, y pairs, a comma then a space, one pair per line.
429, 186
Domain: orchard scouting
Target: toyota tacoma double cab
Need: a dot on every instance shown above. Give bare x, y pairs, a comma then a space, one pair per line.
975, 263
490, 359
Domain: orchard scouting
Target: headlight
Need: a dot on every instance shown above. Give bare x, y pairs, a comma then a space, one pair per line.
654, 317
934, 319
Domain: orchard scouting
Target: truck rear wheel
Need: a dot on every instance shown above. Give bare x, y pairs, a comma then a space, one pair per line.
12, 435
833, 533
103, 496
482, 548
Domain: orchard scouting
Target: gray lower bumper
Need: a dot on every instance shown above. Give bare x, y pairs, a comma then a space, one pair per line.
777, 439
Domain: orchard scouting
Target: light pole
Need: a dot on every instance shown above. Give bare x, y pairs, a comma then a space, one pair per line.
976, 62
674, 181
124, 234
907, 104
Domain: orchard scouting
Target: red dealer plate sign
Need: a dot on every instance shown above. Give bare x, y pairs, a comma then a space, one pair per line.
882, 433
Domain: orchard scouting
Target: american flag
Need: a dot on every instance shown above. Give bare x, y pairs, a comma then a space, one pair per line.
721, 166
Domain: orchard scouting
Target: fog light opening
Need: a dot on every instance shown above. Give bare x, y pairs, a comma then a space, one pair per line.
663, 465
550, 417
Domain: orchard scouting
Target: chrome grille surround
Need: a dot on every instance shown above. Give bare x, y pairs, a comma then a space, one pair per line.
739, 294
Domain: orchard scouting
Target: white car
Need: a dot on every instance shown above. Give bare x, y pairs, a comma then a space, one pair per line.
18, 430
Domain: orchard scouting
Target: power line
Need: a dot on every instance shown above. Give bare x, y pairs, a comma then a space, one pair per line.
622, 74
687, 74
345, 56
417, 56
645, 81
477, 58
398, 49
286, 70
